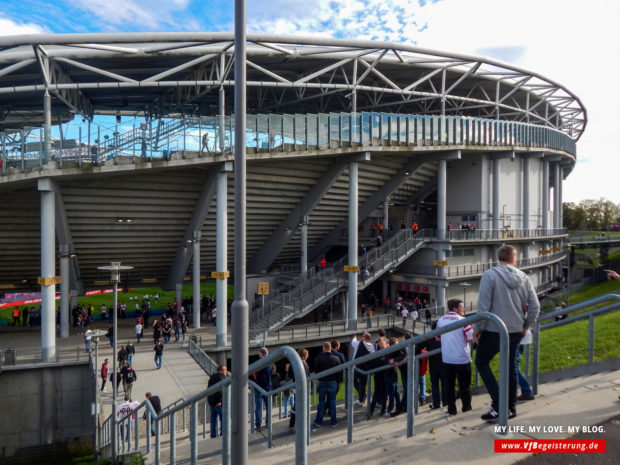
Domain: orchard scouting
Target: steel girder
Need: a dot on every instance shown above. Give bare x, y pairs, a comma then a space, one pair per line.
167, 73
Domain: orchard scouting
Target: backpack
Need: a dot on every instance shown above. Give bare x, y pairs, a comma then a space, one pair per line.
361, 351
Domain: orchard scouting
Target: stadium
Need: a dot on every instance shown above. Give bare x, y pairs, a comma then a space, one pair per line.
407, 166
472, 150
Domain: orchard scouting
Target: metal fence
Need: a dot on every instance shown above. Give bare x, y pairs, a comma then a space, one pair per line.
36, 355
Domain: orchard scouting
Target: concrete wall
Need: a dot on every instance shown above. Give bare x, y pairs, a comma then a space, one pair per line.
46, 405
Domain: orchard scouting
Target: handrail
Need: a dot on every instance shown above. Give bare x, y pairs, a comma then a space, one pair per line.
565, 311
301, 423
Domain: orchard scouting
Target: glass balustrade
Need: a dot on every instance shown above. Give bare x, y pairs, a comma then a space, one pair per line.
214, 135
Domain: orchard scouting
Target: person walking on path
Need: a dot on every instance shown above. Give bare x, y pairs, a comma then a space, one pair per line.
138, 329
104, 374
508, 293
129, 377
131, 350
159, 353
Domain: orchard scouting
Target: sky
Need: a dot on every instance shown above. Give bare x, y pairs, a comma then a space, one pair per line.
572, 42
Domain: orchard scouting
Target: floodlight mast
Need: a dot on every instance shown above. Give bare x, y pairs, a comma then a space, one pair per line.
240, 308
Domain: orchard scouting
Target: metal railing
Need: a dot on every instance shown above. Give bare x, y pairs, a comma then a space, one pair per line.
502, 234
36, 355
206, 363
126, 427
477, 269
588, 314
280, 133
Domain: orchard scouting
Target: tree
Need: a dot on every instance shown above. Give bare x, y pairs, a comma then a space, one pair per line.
594, 215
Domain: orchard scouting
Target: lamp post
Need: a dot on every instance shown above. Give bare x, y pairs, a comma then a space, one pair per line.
465, 285
115, 269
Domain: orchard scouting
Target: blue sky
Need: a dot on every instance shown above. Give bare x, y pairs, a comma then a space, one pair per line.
573, 42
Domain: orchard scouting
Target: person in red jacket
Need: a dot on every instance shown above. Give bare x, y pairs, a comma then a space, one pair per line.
104, 374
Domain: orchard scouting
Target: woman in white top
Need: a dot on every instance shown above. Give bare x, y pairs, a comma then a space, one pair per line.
139, 329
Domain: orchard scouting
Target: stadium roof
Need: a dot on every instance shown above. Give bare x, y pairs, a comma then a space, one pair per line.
168, 74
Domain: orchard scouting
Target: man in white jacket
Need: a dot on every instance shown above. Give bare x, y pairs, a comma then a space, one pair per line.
508, 293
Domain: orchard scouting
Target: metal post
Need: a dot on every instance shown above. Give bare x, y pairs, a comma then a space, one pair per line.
495, 226
415, 384
349, 403
221, 285
526, 194
48, 270
591, 338
196, 280
535, 357
386, 204
178, 294
173, 434
545, 195
226, 425
441, 199
410, 392
115, 371
269, 421
3, 156
353, 221
148, 431
193, 433
239, 309
304, 248
557, 204
47, 125
64, 291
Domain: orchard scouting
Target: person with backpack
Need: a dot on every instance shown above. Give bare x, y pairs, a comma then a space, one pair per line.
361, 348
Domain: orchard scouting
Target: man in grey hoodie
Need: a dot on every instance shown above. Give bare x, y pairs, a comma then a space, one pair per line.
509, 294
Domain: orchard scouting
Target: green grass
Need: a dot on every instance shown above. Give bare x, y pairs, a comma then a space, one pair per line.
165, 297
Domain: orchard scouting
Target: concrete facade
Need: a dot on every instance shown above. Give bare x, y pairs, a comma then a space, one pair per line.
46, 407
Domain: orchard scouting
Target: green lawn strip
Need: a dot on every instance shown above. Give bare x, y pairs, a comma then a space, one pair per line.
97, 300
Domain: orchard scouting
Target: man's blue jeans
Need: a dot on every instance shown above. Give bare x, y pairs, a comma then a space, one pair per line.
526, 389
327, 389
216, 412
259, 399
158, 361
488, 347
422, 387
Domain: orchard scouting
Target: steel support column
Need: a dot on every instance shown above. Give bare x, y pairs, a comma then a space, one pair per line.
240, 308
47, 125
557, 203
352, 289
441, 199
526, 193
386, 223
495, 163
48, 270
64, 289
304, 248
545, 194
178, 293
441, 226
196, 280
221, 260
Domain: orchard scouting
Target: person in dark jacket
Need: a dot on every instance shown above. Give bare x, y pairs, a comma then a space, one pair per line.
263, 379
328, 385
156, 404
215, 399
436, 370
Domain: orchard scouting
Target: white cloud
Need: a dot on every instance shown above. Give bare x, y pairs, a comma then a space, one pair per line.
11, 28
572, 42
